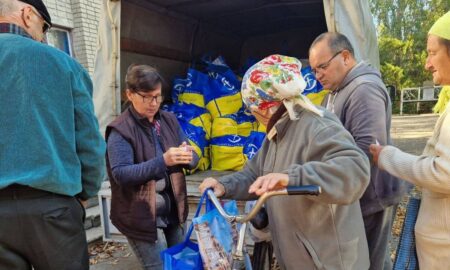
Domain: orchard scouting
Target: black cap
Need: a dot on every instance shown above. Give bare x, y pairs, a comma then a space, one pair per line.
40, 7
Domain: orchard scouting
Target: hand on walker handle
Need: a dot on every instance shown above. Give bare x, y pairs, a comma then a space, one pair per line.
210, 182
269, 182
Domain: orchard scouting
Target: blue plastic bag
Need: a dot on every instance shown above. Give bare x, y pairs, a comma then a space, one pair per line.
253, 143
312, 84
227, 153
193, 89
216, 236
219, 67
223, 96
406, 258
179, 86
186, 255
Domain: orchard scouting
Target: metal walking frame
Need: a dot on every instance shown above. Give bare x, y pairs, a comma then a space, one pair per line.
240, 257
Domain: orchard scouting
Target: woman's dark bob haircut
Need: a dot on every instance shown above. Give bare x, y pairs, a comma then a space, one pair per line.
142, 78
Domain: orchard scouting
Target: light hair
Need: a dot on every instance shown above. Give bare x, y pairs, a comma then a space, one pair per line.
8, 6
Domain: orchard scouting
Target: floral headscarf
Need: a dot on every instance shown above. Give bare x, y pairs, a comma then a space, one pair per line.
276, 79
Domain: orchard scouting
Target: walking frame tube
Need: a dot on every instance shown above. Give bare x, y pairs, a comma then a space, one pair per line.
238, 254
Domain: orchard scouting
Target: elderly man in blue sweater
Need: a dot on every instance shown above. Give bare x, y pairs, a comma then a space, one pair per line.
51, 152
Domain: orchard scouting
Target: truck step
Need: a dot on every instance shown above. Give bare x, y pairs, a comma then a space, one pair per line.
94, 234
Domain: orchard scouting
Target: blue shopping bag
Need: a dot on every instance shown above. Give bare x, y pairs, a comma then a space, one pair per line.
406, 257
216, 236
312, 84
186, 255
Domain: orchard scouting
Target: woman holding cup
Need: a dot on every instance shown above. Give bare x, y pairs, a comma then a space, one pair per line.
146, 154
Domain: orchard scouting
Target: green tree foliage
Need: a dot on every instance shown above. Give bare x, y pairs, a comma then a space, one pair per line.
402, 27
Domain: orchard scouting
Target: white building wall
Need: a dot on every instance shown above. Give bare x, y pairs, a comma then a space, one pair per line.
80, 18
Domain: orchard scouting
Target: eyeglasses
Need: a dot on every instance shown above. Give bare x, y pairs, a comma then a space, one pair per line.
150, 99
46, 27
325, 65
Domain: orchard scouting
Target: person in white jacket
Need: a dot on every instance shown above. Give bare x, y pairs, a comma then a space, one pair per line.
431, 170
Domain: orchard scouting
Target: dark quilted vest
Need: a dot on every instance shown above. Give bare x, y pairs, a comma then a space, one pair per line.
133, 208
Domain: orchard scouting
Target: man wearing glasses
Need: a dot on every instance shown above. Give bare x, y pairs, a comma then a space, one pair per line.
51, 152
359, 98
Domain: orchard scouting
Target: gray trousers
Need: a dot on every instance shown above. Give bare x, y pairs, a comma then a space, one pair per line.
378, 228
41, 230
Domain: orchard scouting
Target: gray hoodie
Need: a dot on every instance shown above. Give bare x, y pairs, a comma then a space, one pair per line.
363, 105
323, 232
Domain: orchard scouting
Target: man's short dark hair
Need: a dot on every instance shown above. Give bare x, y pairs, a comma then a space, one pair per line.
336, 42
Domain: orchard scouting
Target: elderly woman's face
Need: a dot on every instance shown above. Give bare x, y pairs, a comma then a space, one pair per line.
263, 116
146, 104
438, 61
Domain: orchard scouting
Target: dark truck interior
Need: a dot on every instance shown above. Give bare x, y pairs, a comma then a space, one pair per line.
173, 35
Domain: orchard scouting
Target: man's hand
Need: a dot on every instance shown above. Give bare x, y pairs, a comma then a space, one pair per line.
375, 150
269, 182
83, 203
210, 182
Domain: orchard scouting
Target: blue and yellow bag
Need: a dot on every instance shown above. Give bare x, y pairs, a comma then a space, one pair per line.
196, 85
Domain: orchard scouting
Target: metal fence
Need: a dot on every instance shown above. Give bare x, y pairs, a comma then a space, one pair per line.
419, 95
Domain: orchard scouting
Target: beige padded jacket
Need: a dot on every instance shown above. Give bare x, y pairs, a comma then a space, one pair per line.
431, 172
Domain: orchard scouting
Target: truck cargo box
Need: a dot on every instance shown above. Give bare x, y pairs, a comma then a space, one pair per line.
172, 35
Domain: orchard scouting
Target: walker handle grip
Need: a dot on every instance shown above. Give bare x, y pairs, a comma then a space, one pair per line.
304, 190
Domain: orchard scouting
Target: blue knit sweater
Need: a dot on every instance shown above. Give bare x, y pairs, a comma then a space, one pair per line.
49, 136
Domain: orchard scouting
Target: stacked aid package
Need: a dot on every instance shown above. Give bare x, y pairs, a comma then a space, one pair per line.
209, 107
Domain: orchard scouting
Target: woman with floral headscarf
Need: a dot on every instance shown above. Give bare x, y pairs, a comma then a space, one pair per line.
431, 170
305, 145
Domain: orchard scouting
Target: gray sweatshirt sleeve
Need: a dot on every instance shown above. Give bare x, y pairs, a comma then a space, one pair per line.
343, 170
366, 116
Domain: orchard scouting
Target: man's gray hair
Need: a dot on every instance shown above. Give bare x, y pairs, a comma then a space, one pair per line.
336, 42
8, 6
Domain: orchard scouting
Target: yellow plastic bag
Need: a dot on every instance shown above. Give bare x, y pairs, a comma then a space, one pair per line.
317, 98
226, 157
229, 125
224, 105
203, 121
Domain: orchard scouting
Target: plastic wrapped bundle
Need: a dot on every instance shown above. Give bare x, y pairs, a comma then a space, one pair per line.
194, 115
196, 84
314, 90
223, 96
229, 138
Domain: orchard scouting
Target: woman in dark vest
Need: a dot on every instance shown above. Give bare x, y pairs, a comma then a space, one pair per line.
146, 153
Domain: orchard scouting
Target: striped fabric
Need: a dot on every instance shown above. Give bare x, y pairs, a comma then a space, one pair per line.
406, 258
157, 124
13, 29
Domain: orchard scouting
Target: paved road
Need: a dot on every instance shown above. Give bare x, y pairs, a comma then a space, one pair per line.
409, 133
